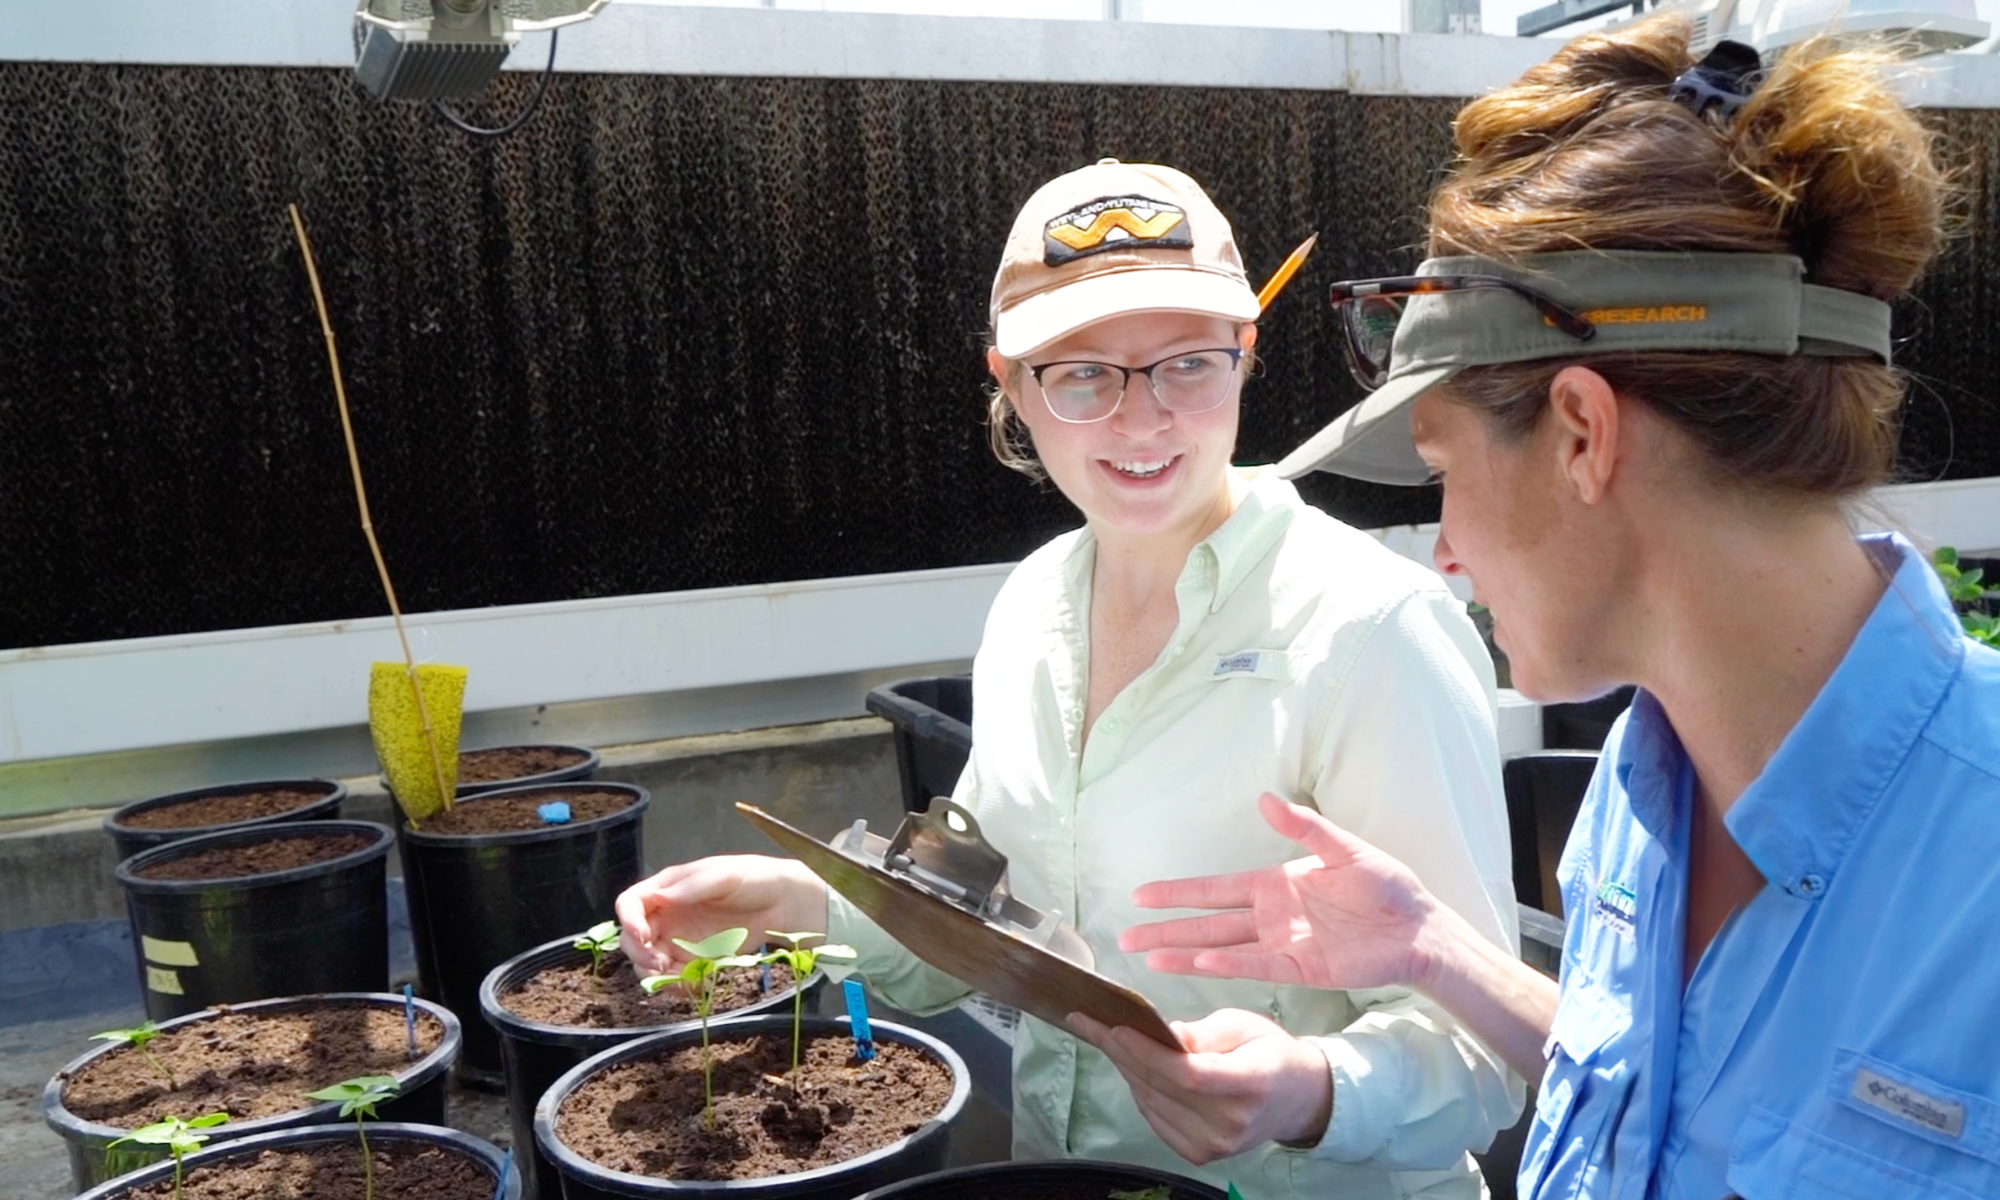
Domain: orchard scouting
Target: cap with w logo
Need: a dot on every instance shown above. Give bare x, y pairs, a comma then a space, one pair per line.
1110, 239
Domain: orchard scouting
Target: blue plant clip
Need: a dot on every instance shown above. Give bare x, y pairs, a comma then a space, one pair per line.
410, 1022
555, 812
506, 1165
857, 1016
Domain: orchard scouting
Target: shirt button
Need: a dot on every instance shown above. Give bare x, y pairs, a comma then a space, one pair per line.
1811, 886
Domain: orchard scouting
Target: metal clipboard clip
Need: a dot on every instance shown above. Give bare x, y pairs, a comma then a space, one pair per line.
942, 854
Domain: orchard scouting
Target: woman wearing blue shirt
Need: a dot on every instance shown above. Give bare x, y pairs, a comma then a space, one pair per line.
1648, 361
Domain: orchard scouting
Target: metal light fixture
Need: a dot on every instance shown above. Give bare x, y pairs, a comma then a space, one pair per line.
447, 49
1934, 25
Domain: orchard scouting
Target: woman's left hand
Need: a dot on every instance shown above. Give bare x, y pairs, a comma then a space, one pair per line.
1241, 1081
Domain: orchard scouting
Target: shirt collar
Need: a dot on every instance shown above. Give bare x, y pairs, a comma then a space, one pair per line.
1235, 548
1798, 817
1242, 541
1650, 765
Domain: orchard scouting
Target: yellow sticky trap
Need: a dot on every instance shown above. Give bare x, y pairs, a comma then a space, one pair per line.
398, 730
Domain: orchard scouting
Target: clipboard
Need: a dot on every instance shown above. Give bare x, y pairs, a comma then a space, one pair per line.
940, 889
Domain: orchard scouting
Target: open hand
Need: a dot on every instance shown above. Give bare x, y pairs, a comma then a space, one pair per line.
1349, 917
1242, 1081
695, 899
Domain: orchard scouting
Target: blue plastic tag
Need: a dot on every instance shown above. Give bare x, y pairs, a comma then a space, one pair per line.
857, 1016
555, 812
506, 1165
410, 1022
763, 977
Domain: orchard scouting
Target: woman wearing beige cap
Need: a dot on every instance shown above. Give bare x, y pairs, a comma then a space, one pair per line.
1205, 637
1651, 362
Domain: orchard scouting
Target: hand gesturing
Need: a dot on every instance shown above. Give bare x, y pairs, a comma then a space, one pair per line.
1348, 917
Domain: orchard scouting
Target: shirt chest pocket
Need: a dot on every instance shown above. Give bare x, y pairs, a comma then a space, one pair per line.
1879, 1132
1584, 1091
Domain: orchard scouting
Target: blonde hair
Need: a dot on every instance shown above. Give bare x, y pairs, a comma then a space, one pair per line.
1586, 151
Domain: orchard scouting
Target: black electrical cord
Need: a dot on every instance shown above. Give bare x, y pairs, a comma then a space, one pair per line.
534, 101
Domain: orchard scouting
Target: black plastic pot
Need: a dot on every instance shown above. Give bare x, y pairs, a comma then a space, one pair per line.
932, 719
477, 900
1585, 724
1035, 1180
422, 1097
131, 840
920, 1153
534, 1055
582, 770
320, 928
382, 1134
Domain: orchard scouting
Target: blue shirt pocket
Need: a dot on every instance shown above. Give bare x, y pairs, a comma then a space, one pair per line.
1856, 1158
1582, 1091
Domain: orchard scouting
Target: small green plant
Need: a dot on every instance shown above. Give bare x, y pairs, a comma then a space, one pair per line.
1159, 1192
358, 1098
1966, 589
178, 1136
137, 1039
706, 957
600, 939
801, 960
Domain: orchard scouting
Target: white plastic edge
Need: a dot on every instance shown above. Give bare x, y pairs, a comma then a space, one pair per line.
101, 697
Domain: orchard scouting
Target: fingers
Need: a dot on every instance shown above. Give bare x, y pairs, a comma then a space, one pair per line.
1196, 1107
671, 904
1224, 1030
1202, 891
1334, 845
1242, 962
1222, 929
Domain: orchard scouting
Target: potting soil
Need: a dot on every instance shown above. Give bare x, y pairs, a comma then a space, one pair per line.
257, 858
567, 994
645, 1117
514, 762
222, 810
515, 813
248, 1065
402, 1172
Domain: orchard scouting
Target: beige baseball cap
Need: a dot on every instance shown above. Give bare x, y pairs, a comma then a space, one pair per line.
1110, 239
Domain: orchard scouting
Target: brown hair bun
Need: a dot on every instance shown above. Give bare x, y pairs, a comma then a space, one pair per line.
1586, 151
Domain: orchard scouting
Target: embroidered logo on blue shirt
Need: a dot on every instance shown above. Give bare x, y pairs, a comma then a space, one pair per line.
1243, 663
1617, 906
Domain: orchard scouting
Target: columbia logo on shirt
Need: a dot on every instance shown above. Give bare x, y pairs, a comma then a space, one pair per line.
1243, 663
1617, 906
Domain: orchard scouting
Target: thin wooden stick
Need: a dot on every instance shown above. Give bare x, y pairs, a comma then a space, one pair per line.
361, 495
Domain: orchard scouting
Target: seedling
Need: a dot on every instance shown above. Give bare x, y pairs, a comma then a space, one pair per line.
358, 1098
600, 939
1966, 588
706, 957
801, 960
178, 1136
137, 1039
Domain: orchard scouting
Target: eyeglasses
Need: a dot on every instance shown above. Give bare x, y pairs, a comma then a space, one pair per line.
1370, 310
1193, 381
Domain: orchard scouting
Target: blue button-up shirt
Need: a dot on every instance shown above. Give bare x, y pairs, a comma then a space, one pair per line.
1841, 1036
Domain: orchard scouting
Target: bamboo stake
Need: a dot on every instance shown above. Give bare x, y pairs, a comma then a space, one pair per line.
361, 496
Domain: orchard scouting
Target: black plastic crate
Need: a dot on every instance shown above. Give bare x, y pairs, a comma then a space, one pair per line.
933, 720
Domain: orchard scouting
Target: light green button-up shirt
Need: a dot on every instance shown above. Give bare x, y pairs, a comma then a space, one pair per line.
1308, 661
